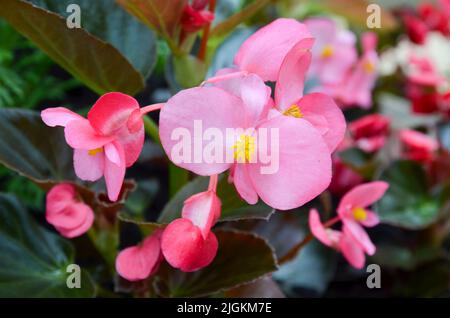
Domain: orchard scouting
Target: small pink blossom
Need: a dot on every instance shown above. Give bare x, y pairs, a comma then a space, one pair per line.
334, 51
139, 262
423, 72
355, 89
195, 18
370, 132
69, 215
417, 146
353, 211
103, 144
188, 243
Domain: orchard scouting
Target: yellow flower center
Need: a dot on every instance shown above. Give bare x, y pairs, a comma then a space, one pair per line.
359, 214
327, 51
94, 152
369, 67
244, 148
293, 111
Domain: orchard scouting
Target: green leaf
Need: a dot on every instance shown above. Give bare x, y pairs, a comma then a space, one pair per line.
189, 70
233, 207
407, 203
358, 160
98, 64
109, 22
33, 261
32, 149
241, 258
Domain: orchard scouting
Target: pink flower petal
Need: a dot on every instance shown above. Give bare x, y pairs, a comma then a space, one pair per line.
80, 135
111, 112
323, 105
352, 251
183, 246
362, 196
243, 184
371, 220
291, 77
209, 107
112, 153
132, 144
58, 116
263, 52
76, 231
304, 165
357, 232
328, 237
88, 167
114, 174
68, 218
202, 209
139, 262
59, 197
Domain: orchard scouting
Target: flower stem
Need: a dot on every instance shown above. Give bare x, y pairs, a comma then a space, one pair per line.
151, 129
294, 251
204, 44
150, 108
213, 182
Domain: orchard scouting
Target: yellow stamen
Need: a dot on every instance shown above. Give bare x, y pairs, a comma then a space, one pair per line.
359, 214
244, 148
369, 67
293, 111
327, 51
94, 152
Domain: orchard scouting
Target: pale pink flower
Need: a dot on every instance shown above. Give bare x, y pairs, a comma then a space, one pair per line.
334, 50
188, 243
66, 212
318, 109
353, 211
138, 262
304, 168
264, 51
423, 72
103, 143
417, 146
355, 89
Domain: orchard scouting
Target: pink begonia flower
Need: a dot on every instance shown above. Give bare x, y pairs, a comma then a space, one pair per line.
304, 165
424, 73
138, 262
341, 241
70, 216
370, 132
334, 51
417, 146
188, 243
353, 241
264, 51
318, 109
103, 143
355, 89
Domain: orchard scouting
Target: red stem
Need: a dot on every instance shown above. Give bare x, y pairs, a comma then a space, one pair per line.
150, 108
213, 182
203, 45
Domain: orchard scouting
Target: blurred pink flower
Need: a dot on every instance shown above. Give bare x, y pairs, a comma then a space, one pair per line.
194, 17
138, 262
69, 215
188, 243
417, 146
334, 51
353, 240
103, 143
355, 89
424, 73
344, 178
370, 132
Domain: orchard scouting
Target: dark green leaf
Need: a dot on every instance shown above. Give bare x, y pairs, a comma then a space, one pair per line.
109, 22
233, 207
96, 63
407, 202
33, 261
358, 160
241, 258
